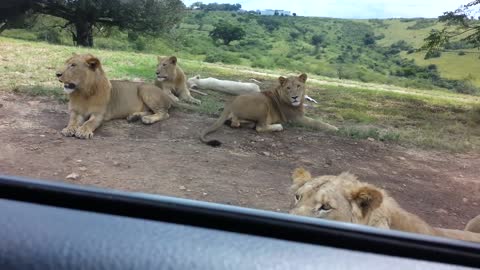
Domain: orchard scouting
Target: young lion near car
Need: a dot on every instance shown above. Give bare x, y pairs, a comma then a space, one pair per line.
268, 109
344, 198
94, 99
171, 78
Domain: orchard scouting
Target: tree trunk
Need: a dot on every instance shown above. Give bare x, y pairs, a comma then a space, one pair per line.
84, 36
3, 26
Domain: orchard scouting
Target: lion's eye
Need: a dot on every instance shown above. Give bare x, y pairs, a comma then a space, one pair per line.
288, 88
325, 207
298, 86
73, 65
298, 197
164, 65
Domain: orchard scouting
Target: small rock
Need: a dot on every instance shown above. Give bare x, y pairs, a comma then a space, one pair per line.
204, 194
33, 103
371, 139
73, 176
79, 160
82, 169
441, 211
300, 138
328, 161
401, 158
465, 200
116, 163
182, 188
189, 190
278, 210
267, 154
1, 105
43, 136
394, 172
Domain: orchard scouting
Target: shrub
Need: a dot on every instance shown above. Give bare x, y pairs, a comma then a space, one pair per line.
223, 57
432, 54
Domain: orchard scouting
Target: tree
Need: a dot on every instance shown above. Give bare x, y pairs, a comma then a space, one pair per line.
227, 32
294, 14
369, 39
458, 25
317, 41
81, 16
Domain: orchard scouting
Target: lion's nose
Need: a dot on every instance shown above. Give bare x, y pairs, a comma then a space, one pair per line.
158, 73
58, 74
295, 97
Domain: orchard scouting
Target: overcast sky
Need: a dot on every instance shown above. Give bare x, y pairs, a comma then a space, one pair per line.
352, 8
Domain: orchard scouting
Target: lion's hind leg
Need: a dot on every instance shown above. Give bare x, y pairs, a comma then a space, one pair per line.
269, 128
134, 117
157, 101
153, 118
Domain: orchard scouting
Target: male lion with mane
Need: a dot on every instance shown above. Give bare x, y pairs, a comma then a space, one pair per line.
268, 109
344, 198
94, 99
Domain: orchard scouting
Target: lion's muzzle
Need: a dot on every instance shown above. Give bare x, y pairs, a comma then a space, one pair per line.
69, 87
295, 101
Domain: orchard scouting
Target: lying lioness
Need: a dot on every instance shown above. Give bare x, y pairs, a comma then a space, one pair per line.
344, 198
226, 86
94, 99
268, 109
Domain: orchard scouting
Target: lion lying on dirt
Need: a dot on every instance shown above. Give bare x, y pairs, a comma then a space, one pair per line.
225, 86
94, 99
344, 198
268, 109
171, 78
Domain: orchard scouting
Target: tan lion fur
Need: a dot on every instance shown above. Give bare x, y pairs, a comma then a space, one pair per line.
94, 99
473, 225
268, 109
344, 198
172, 79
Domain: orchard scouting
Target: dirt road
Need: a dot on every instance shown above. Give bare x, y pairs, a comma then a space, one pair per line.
248, 170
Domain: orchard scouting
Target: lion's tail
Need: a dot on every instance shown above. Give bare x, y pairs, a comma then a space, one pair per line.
223, 117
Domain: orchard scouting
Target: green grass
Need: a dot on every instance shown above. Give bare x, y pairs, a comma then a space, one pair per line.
436, 119
342, 48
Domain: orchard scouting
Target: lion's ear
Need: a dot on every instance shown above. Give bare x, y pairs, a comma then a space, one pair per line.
93, 62
159, 59
173, 60
282, 80
367, 198
303, 77
300, 176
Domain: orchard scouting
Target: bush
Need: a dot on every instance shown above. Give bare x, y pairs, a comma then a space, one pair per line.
111, 44
223, 57
49, 35
461, 53
432, 54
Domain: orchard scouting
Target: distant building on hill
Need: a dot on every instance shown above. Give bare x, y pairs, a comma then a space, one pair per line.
274, 12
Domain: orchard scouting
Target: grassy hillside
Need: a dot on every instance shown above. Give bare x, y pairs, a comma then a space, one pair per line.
426, 118
377, 51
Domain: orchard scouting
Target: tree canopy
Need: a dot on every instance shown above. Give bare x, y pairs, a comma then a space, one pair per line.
227, 32
460, 25
81, 16
216, 6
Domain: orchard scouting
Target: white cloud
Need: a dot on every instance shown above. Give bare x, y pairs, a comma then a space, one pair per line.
353, 8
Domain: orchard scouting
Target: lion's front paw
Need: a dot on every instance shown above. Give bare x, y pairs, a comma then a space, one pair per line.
84, 133
68, 131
